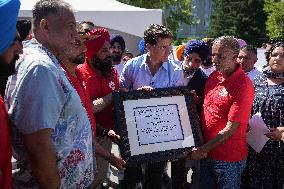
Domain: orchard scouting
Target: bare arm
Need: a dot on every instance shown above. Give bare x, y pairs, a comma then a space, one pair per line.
276, 134
101, 103
43, 159
112, 159
222, 136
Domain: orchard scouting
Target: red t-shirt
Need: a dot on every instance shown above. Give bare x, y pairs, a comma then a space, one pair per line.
5, 149
227, 100
84, 96
99, 86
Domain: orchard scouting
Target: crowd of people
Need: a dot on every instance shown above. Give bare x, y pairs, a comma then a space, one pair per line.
57, 77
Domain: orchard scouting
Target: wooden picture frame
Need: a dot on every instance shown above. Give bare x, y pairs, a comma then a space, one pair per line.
157, 125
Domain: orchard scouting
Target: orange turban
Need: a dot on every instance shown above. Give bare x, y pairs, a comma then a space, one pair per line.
179, 52
94, 45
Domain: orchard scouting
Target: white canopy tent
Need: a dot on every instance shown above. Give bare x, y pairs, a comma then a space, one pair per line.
107, 13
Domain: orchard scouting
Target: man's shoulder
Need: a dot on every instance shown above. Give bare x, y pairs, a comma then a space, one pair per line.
85, 71
35, 56
213, 76
200, 75
256, 71
136, 61
243, 79
244, 83
174, 68
36, 62
36, 50
175, 65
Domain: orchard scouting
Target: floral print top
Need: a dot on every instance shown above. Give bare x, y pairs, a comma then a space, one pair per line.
43, 98
266, 168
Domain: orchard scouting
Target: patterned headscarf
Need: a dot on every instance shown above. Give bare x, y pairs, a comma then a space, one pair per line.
94, 45
9, 10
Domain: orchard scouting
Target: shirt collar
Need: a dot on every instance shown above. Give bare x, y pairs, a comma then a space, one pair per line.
165, 64
33, 43
252, 70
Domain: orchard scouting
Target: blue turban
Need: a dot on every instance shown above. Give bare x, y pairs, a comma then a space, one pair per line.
119, 39
9, 10
199, 47
142, 46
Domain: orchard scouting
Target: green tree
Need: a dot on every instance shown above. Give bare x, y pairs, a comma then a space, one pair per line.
244, 19
178, 11
275, 21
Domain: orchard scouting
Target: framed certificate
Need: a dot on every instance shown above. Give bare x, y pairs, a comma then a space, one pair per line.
156, 125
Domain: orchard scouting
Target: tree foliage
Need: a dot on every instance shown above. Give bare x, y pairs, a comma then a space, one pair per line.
275, 21
244, 19
178, 11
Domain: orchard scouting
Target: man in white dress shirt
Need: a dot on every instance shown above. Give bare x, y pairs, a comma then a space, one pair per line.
247, 58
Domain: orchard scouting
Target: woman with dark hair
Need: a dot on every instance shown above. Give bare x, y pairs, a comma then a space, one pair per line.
266, 168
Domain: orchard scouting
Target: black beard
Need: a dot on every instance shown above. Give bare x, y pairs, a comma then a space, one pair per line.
207, 62
7, 69
116, 58
105, 66
79, 59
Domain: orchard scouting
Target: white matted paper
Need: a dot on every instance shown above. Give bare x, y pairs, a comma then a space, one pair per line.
157, 124
257, 128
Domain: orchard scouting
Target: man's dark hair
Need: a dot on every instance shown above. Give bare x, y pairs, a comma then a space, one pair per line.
23, 27
129, 54
44, 8
249, 48
155, 31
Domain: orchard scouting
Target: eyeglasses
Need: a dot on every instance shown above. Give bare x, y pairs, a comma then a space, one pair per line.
84, 32
81, 33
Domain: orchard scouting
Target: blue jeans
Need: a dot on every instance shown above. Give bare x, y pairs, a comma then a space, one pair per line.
220, 174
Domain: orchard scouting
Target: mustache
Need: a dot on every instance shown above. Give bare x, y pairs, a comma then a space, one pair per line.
80, 59
116, 58
7, 69
105, 65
